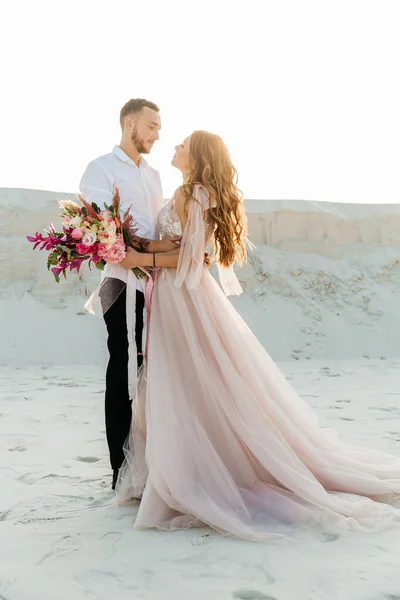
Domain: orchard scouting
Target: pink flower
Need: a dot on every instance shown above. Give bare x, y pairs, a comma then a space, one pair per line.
67, 219
82, 249
76, 234
112, 254
96, 258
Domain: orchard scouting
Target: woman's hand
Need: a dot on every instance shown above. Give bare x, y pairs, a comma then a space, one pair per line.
168, 244
131, 260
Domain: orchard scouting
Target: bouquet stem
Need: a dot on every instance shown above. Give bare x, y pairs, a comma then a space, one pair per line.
139, 273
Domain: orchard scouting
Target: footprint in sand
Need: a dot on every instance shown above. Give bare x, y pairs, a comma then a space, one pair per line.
69, 384
105, 584
244, 594
329, 537
30, 479
17, 449
50, 507
203, 539
112, 538
62, 547
88, 459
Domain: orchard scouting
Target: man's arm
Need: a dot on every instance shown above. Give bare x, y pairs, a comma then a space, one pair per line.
161, 259
149, 246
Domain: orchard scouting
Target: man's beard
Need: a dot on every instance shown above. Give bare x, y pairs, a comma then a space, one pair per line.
138, 142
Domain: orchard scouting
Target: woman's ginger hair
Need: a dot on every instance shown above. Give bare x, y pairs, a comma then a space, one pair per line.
211, 166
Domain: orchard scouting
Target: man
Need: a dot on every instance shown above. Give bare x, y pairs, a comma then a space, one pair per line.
140, 186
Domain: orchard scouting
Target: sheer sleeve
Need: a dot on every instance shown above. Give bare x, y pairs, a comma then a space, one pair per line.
228, 281
193, 244
191, 256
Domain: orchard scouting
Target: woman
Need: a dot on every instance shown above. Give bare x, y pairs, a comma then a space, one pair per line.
218, 436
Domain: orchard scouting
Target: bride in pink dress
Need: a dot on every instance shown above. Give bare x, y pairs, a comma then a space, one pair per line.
219, 437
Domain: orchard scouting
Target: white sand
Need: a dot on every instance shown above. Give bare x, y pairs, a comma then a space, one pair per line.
325, 287
61, 538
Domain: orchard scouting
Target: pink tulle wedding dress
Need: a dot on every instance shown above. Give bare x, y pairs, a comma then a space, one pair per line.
219, 437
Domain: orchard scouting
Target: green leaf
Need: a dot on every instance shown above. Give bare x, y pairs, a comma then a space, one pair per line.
96, 208
100, 266
106, 206
52, 259
84, 211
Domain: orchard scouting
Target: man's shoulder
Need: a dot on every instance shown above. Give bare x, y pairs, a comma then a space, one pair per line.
102, 166
103, 160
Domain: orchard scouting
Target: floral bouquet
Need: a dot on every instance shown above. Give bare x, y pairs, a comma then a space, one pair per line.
88, 234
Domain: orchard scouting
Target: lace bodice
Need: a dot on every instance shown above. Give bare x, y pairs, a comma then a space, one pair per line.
169, 224
168, 221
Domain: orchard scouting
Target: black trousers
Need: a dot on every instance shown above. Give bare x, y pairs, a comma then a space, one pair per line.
117, 402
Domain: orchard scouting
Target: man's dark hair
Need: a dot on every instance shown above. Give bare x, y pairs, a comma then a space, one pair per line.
135, 106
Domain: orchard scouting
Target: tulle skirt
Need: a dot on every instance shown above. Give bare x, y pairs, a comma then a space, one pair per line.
219, 437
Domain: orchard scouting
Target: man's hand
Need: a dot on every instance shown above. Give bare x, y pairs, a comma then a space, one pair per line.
168, 244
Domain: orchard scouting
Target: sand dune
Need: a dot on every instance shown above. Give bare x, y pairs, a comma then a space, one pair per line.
329, 272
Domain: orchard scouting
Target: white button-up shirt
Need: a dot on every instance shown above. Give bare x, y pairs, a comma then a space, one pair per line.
139, 186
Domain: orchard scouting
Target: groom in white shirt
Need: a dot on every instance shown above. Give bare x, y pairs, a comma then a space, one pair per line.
140, 186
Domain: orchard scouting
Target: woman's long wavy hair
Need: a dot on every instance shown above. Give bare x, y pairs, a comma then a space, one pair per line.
211, 166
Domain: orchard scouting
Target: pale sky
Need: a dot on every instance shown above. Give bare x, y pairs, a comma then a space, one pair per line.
305, 93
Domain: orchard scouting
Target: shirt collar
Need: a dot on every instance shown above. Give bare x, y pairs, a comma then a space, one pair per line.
119, 153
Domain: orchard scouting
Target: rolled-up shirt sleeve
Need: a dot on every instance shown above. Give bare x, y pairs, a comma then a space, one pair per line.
97, 185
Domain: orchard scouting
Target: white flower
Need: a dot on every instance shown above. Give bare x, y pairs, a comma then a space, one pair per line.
89, 239
112, 239
111, 229
103, 237
76, 221
107, 238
